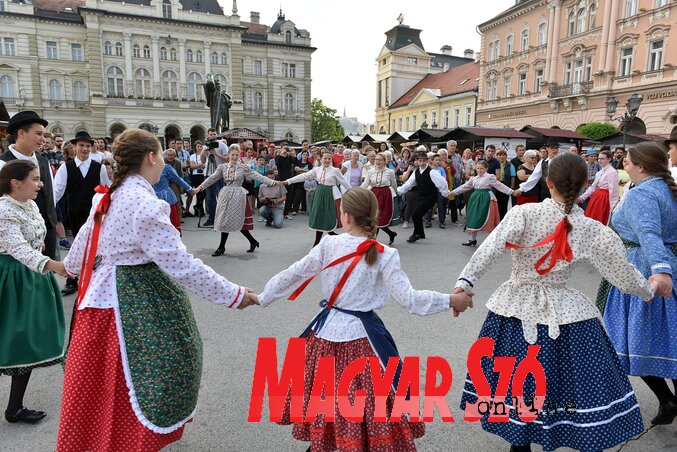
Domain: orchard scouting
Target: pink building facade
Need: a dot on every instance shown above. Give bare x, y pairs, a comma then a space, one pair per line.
550, 63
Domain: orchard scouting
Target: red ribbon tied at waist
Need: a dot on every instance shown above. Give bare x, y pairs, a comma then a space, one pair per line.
355, 256
92, 245
560, 249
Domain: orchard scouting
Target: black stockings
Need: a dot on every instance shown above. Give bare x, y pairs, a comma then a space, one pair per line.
660, 388
318, 236
224, 239
390, 233
16, 394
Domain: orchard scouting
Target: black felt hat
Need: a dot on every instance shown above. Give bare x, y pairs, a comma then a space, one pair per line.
552, 141
82, 136
24, 118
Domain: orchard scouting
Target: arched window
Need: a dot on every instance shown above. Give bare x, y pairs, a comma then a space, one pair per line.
107, 49
146, 52
170, 87
224, 58
172, 54
189, 56
194, 86
289, 102
136, 51
163, 53
115, 81
572, 24
166, 9
525, 40
542, 34
143, 83
215, 58
79, 91
7, 86
592, 21
118, 49
258, 101
198, 56
287, 37
580, 21
57, 130
55, 90
223, 81
509, 45
289, 136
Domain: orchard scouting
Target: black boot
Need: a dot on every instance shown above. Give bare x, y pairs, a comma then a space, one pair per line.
526, 448
222, 245
253, 244
666, 413
470, 243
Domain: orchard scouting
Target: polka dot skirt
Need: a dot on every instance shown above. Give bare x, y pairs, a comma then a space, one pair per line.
96, 414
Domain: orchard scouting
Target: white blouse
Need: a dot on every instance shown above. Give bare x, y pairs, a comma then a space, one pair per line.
483, 182
367, 288
136, 230
383, 178
536, 299
324, 176
22, 232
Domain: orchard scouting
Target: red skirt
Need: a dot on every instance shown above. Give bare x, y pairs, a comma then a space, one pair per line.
248, 224
96, 414
599, 207
175, 217
344, 435
526, 199
385, 205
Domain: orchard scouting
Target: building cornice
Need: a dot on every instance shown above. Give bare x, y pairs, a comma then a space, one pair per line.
277, 44
511, 14
33, 17
163, 21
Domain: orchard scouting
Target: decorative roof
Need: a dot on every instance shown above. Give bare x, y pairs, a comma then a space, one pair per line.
281, 20
440, 59
460, 79
202, 6
484, 132
402, 36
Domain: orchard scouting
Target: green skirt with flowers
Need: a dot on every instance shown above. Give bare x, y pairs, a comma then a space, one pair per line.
31, 318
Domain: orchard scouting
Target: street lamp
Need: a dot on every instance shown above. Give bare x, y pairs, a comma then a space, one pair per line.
631, 107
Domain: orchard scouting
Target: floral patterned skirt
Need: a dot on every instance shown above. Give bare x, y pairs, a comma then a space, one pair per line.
344, 435
133, 372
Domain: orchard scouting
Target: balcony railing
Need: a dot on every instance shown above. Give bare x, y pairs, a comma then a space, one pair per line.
575, 89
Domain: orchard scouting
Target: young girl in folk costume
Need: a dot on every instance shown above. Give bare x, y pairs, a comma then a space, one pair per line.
233, 209
603, 192
135, 356
549, 239
383, 183
325, 213
164, 192
482, 208
360, 276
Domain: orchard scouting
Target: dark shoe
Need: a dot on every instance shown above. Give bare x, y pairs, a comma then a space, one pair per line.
69, 289
253, 246
666, 413
187, 214
413, 238
208, 224
470, 243
268, 224
428, 224
65, 244
25, 415
526, 448
442, 226
392, 238
218, 252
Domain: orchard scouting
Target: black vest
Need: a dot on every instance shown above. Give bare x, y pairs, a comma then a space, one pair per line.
45, 199
426, 188
80, 190
544, 190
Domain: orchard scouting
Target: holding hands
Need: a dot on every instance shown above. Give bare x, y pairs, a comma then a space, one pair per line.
460, 300
250, 298
517, 193
662, 283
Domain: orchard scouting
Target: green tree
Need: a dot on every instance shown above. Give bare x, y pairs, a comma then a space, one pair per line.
596, 130
323, 123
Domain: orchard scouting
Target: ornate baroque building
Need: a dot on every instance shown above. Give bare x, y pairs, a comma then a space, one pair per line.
557, 62
107, 65
402, 63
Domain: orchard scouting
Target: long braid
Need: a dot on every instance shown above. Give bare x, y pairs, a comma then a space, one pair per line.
568, 172
667, 177
363, 206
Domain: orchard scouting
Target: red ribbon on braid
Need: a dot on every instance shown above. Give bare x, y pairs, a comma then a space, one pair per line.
560, 249
355, 256
92, 245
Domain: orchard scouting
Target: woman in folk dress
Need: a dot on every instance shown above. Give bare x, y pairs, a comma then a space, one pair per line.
135, 357
233, 211
603, 192
383, 183
325, 212
482, 208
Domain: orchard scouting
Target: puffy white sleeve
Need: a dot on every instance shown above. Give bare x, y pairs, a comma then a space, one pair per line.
533, 178
419, 302
161, 242
14, 243
510, 229
408, 185
287, 281
309, 175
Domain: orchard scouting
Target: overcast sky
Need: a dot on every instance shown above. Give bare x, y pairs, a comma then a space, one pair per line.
349, 35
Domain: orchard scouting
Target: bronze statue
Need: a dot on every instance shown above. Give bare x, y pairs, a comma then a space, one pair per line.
219, 104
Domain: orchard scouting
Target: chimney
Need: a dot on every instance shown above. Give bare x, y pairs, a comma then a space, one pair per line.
254, 17
446, 49
469, 53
